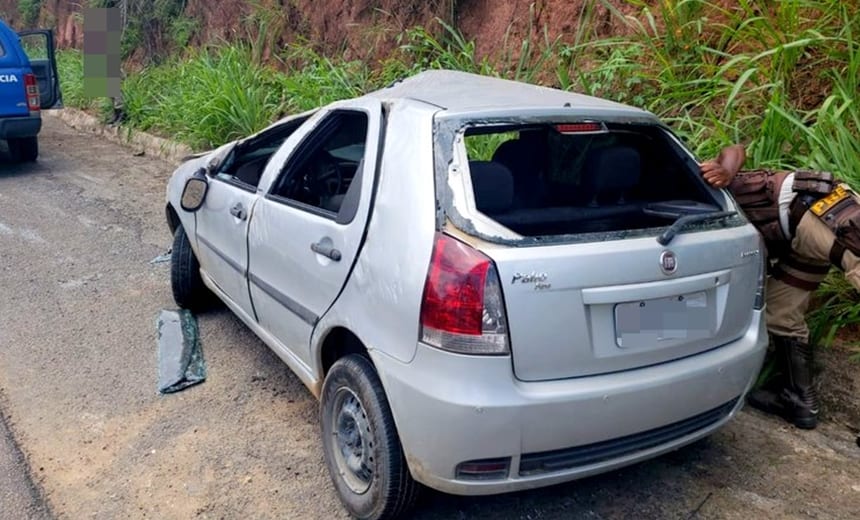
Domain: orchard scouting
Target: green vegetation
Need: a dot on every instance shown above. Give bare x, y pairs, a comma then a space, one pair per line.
29, 11
781, 77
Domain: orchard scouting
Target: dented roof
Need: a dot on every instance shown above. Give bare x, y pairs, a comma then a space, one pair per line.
457, 91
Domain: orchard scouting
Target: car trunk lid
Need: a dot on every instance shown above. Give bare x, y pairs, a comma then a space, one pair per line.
599, 307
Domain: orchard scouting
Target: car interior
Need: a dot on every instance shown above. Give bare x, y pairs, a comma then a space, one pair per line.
551, 182
246, 163
325, 171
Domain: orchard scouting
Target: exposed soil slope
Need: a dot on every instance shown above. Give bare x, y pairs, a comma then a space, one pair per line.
362, 29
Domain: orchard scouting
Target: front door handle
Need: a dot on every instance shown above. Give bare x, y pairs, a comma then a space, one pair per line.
327, 250
238, 211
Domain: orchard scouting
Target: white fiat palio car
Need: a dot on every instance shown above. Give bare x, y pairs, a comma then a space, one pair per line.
489, 286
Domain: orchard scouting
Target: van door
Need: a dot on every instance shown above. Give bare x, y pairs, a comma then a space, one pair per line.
38, 45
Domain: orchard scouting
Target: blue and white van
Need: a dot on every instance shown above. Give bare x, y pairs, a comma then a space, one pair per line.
29, 83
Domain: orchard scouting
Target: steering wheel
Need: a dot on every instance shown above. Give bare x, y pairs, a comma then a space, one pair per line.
327, 177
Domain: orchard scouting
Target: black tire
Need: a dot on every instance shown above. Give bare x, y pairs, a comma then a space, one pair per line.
352, 401
189, 291
24, 149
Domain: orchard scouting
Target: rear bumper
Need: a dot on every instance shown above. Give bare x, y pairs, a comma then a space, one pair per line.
451, 409
14, 127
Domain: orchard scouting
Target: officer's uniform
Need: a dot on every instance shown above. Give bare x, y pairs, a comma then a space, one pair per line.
803, 269
810, 222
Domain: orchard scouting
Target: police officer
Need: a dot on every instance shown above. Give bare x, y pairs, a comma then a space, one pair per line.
810, 222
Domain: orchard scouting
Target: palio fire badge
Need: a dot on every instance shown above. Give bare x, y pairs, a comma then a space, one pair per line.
668, 262
539, 279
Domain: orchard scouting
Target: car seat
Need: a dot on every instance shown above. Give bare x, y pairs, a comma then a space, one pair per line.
525, 158
493, 187
609, 174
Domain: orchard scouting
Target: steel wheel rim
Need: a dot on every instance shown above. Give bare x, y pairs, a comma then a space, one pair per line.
352, 441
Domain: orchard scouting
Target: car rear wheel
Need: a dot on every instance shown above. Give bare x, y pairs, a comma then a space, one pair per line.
189, 291
24, 149
360, 443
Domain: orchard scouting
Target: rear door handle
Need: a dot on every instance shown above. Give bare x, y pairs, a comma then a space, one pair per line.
326, 250
238, 211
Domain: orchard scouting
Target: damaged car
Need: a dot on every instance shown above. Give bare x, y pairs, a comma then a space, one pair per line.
489, 286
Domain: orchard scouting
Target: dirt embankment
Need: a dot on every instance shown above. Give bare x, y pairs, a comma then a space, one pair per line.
360, 29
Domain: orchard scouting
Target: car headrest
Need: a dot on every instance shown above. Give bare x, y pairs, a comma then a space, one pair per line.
511, 152
493, 185
614, 168
522, 156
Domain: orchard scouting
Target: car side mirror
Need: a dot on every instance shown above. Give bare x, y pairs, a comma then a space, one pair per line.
195, 190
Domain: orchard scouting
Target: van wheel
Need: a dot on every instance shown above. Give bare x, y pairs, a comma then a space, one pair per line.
189, 291
360, 443
24, 149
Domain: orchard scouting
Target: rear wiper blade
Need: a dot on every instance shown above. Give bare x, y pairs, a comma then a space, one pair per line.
679, 224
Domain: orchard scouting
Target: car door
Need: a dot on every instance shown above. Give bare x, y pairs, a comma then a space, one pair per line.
38, 45
222, 225
307, 230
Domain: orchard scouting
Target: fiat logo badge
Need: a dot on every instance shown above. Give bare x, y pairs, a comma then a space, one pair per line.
668, 262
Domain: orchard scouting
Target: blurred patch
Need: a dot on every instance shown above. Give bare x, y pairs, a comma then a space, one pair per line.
102, 60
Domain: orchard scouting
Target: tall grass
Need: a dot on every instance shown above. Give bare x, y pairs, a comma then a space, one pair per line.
721, 75
210, 96
70, 67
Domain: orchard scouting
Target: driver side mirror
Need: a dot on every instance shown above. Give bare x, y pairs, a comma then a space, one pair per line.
195, 190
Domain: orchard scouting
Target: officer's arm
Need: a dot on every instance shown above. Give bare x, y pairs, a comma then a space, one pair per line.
732, 158
720, 171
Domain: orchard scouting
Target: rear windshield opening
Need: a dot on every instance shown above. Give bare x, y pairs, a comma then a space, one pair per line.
550, 179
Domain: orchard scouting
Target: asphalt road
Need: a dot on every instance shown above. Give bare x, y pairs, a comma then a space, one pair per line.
89, 437
19, 497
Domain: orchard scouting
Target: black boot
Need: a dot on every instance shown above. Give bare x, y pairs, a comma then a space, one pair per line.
790, 393
767, 396
799, 394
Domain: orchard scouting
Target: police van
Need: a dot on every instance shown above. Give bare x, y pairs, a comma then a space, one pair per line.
29, 83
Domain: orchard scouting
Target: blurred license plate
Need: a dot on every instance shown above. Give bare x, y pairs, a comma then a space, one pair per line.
675, 319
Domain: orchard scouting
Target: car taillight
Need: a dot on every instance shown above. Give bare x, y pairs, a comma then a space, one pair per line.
462, 310
31, 86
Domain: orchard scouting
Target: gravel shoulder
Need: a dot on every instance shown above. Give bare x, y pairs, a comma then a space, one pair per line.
78, 376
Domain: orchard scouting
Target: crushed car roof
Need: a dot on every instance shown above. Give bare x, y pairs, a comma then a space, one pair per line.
457, 91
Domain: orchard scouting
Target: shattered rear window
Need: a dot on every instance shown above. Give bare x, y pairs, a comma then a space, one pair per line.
560, 179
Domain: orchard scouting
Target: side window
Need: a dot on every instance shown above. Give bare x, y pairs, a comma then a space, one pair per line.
246, 164
2, 49
35, 46
324, 175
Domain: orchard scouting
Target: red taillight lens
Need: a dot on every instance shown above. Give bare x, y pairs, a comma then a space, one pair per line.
462, 309
31, 87
454, 293
578, 128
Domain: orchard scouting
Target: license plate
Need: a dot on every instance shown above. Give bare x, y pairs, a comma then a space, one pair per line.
835, 197
662, 321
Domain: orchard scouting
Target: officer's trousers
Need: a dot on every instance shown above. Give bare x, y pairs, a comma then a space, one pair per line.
786, 304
